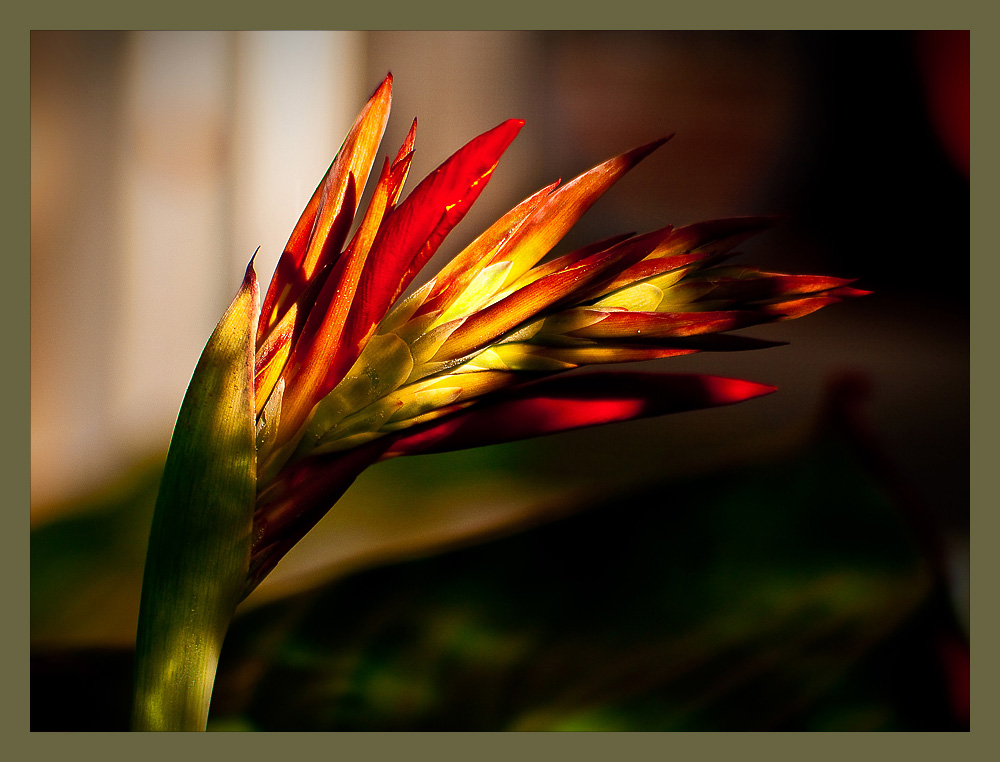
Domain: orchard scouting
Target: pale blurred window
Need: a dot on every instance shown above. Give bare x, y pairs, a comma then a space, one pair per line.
160, 161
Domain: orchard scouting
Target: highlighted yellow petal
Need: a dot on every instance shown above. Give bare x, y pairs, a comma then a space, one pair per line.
384, 365
454, 276
478, 293
642, 297
406, 308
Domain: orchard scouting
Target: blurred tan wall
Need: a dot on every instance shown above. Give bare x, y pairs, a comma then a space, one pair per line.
160, 161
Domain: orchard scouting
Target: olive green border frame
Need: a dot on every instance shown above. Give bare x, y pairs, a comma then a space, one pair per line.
513, 14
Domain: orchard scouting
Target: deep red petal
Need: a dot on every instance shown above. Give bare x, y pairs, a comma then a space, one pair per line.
413, 231
384, 255
562, 403
796, 308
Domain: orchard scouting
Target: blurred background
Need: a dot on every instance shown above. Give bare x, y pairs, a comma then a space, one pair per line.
161, 160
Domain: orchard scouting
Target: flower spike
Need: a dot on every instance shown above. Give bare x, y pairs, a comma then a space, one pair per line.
348, 372
339, 372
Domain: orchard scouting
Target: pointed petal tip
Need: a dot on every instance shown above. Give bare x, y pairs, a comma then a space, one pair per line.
250, 275
384, 89
848, 292
504, 134
727, 391
720, 390
562, 403
512, 126
636, 155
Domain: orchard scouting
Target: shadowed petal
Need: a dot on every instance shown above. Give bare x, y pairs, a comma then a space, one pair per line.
528, 357
712, 342
645, 325
563, 208
714, 236
796, 308
300, 496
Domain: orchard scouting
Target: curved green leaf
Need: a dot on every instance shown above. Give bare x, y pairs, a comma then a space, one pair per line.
199, 545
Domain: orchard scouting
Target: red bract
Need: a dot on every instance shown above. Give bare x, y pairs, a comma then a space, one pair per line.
348, 374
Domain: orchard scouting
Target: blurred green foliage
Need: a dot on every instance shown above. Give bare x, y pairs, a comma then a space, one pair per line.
86, 568
791, 594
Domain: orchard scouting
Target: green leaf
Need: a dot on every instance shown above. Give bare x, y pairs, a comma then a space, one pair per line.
199, 544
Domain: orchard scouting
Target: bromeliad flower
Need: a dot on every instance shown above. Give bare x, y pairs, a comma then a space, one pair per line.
341, 370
